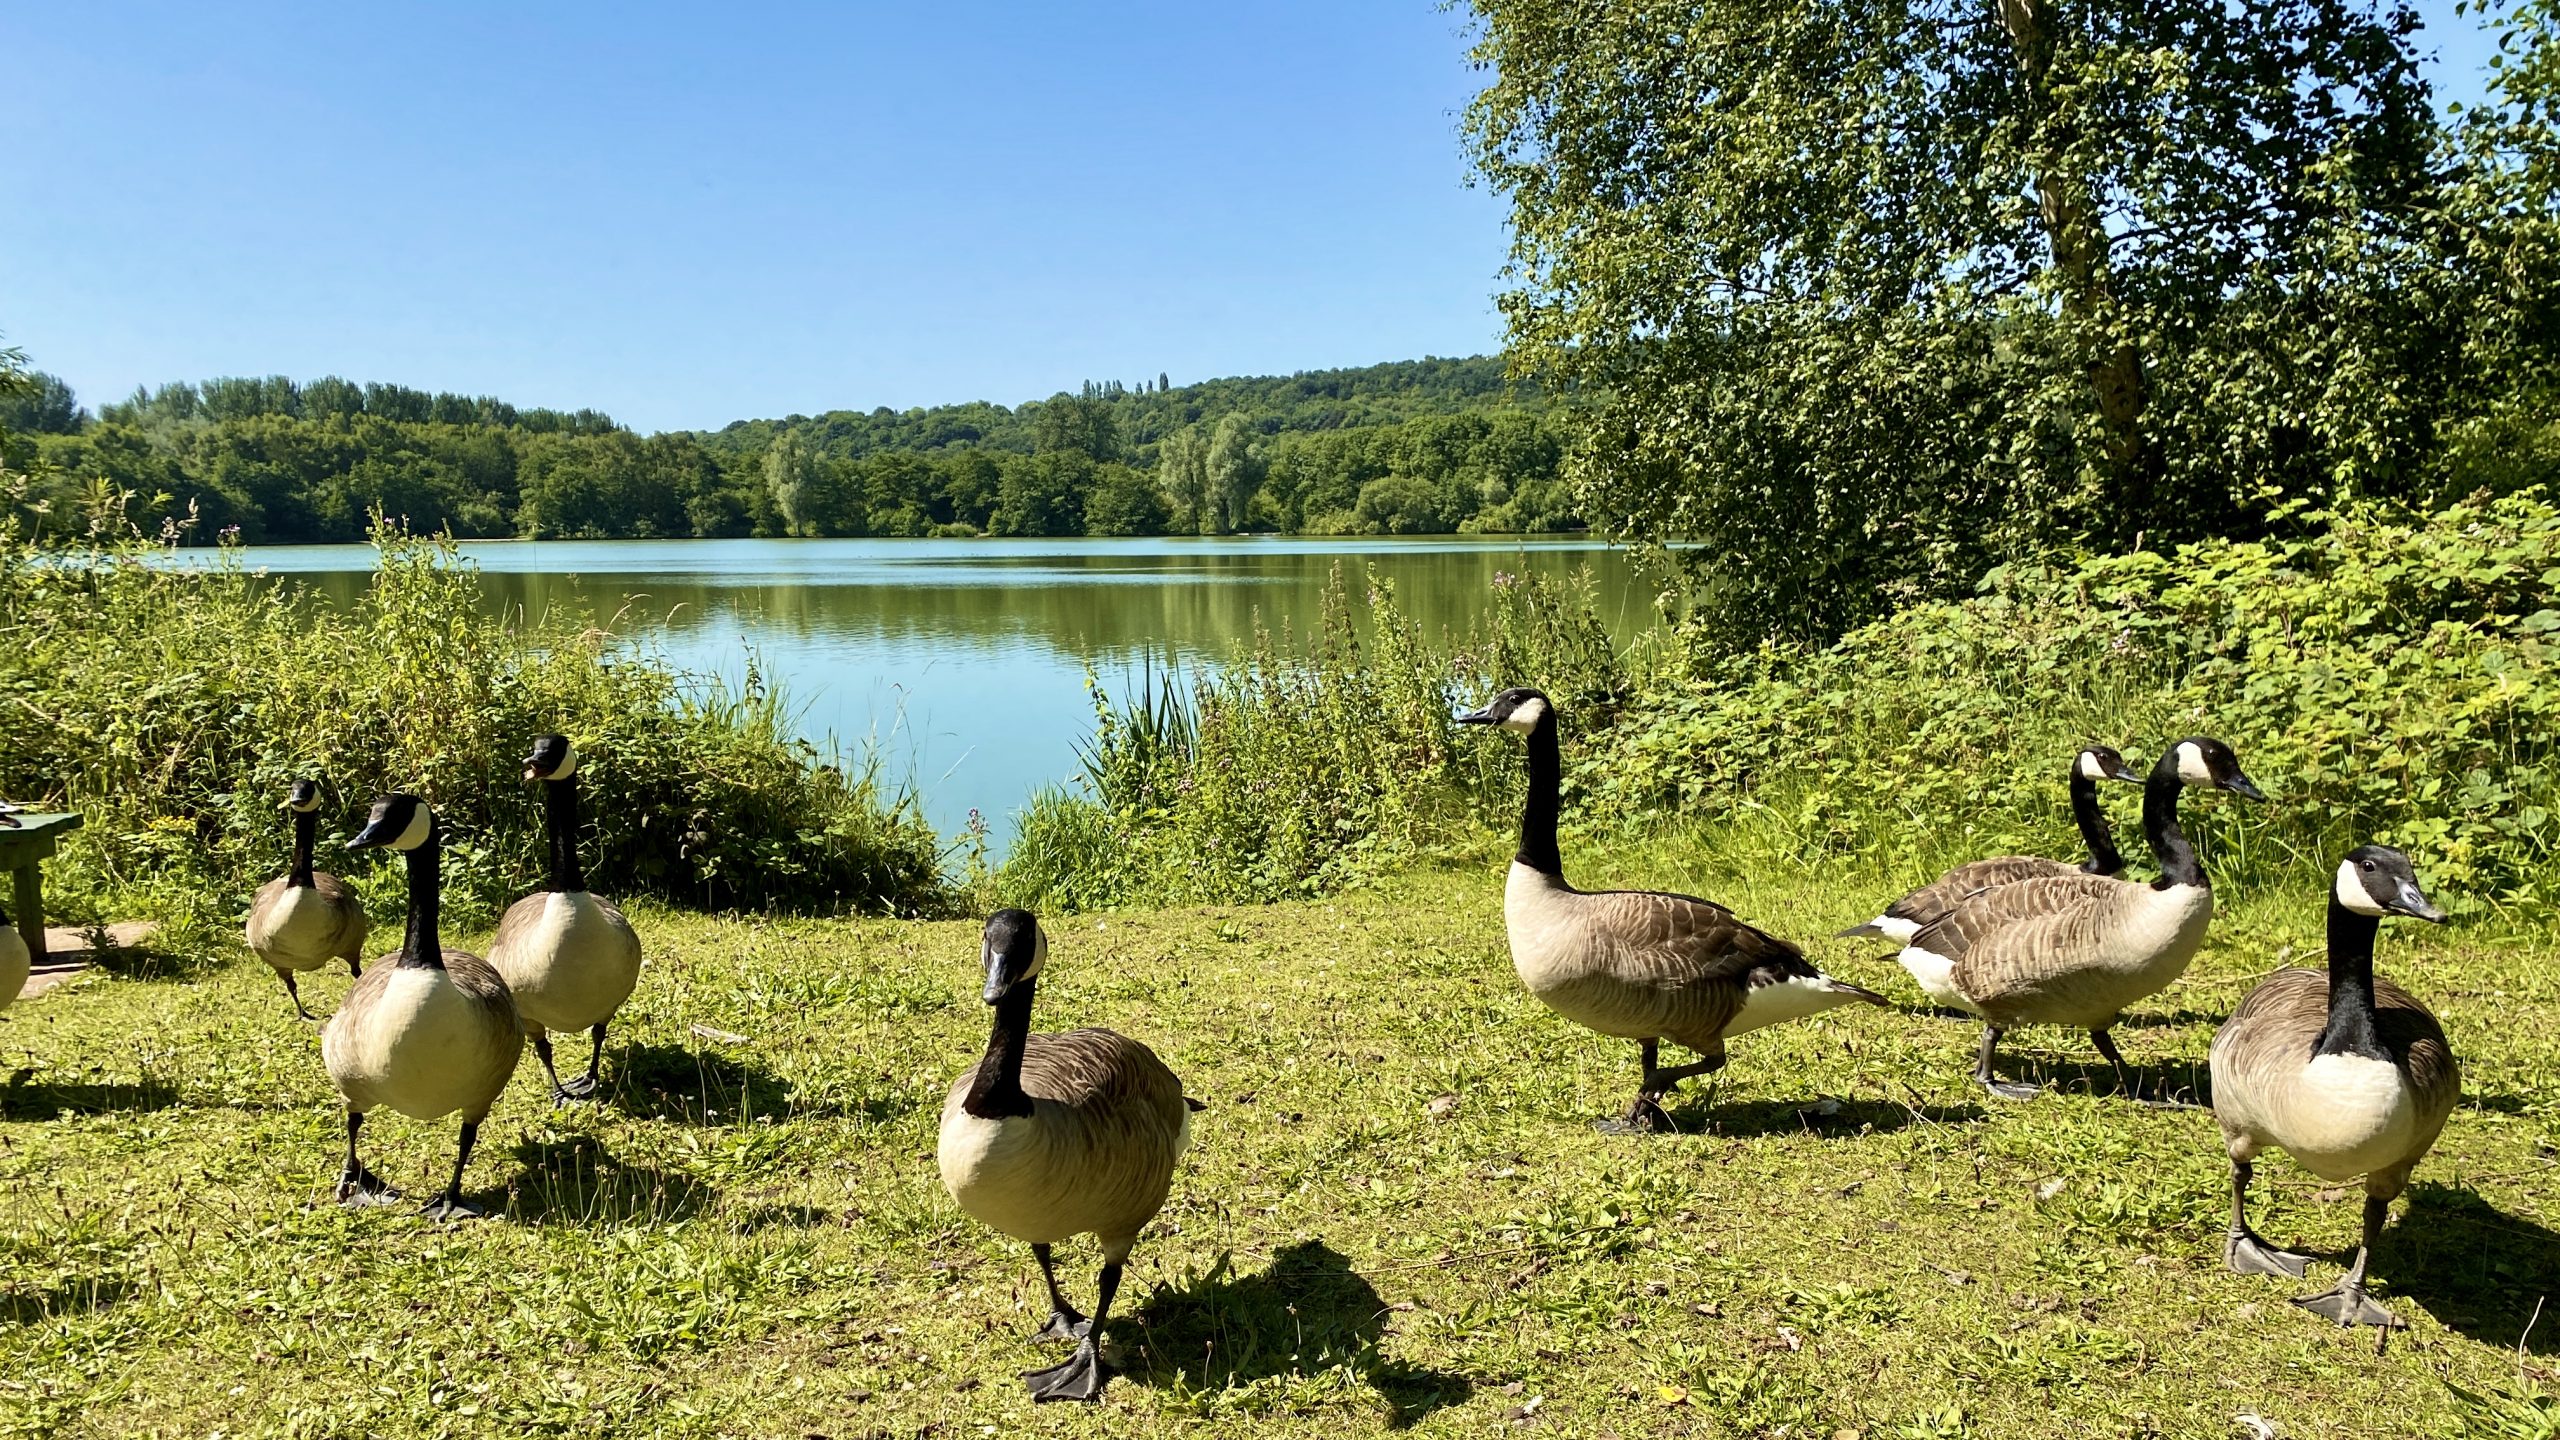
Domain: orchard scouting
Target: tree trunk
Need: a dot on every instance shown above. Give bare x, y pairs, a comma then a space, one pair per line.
2079, 241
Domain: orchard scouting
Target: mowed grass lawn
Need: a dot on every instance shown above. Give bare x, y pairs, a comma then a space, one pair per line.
749, 1237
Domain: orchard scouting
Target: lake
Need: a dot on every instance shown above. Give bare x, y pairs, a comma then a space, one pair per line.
965, 660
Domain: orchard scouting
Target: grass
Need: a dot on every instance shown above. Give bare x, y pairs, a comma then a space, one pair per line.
749, 1238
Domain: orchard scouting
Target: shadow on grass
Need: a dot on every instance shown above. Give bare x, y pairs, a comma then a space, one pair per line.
574, 1180
41, 1101
1307, 1312
72, 1297
704, 1087
2474, 1267
1822, 1115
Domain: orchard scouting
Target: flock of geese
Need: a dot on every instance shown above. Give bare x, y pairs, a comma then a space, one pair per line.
1052, 1136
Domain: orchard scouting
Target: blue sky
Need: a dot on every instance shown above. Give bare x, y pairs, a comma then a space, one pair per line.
689, 214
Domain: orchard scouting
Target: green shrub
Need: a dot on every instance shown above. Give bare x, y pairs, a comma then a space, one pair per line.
2388, 678
172, 706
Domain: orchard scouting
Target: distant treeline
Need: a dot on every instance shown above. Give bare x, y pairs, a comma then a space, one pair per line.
1427, 446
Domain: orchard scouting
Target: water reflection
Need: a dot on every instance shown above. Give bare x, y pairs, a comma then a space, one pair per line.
966, 659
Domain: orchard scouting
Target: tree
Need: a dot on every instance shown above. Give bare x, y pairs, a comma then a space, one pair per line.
1124, 501
1871, 294
1234, 471
1182, 468
791, 475
35, 403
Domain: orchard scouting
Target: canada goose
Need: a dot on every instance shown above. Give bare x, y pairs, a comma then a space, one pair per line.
1907, 916
2077, 949
427, 1031
567, 954
305, 918
16, 962
2348, 1074
1638, 964
1050, 1136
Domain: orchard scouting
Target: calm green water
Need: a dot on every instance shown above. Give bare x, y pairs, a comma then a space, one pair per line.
965, 660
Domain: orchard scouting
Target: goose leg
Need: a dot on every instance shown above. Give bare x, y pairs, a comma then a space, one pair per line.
450, 1205
2245, 1250
293, 993
2346, 1302
560, 1094
1645, 1116
358, 1186
1082, 1375
2005, 1089
1065, 1321
584, 1087
2108, 1052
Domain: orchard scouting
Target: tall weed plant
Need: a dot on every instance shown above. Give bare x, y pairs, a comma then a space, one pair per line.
1307, 763
172, 707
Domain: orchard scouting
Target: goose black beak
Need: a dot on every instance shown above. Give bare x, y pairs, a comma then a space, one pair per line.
374, 834
2239, 785
2415, 906
2125, 774
1477, 717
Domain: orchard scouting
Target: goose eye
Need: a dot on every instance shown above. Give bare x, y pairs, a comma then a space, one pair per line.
2368, 867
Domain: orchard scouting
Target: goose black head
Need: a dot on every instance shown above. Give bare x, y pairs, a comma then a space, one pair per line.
2378, 880
302, 797
2208, 763
398, 822
553, 758
2100, 763
1015, 950
1518, 708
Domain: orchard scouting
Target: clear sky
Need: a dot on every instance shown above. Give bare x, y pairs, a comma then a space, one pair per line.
686, 214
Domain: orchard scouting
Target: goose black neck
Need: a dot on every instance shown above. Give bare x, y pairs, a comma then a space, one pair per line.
2178, 865
2354, 1027
2104, 858
560, 818
305, 822
1546, 799
420, 945
997, 1091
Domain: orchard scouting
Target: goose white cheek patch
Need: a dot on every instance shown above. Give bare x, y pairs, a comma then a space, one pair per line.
568, 765
415, 833
2351, 892
2089, 767
1526, 718
2191, 766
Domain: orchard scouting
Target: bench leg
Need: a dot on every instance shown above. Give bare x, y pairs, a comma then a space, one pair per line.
30, 912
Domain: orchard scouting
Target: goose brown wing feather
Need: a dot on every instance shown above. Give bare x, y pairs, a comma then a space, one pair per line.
348, 943
1933, 901
2008, 947
1681, 941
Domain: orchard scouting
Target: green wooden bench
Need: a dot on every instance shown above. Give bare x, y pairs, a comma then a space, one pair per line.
23, 847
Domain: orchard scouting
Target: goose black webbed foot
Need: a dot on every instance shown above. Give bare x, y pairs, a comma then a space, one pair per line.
360, 1188
449, 1206
1080, 1377
2348, 1305
2013, 1089
2249, 1254
1645, 1117
573, 1090
1067, 1323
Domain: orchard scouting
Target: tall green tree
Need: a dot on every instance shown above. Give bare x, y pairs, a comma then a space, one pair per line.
1871, 294
1234, 471
791, 476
